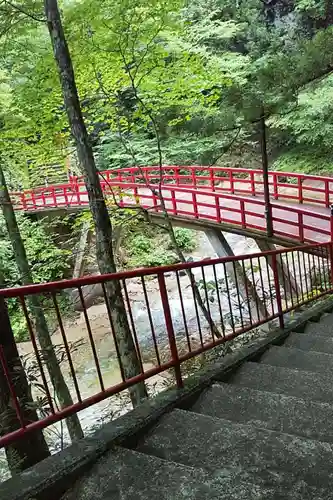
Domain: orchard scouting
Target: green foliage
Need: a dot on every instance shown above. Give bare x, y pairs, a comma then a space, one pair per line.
148, 251
302, 159
185, 239
113, 151
48, 263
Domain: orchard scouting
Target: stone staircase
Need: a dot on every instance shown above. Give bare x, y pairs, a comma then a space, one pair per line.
266, 433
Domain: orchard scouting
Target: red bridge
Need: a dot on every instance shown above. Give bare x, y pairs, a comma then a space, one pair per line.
230, 198
270, 403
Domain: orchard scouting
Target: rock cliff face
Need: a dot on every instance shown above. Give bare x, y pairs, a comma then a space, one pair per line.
282, 12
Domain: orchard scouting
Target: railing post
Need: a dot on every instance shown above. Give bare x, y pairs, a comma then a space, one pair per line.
243, 217
33, 199
177, 176
194, 179
275, 186
231, 180
23, 201
332, 223
195, 205
253, 185
211, 178
277, 290
331, 262
54, 197
327, 194
218, 209
170, 330
300, 227
174, 202
136, 196
300, 190
77, 191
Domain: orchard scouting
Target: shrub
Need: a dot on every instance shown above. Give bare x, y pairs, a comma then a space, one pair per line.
185, 239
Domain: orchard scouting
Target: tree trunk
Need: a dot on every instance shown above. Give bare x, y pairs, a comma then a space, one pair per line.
56, 376
103, 227
31, 449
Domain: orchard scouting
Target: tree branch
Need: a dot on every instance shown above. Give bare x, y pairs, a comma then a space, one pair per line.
20, 9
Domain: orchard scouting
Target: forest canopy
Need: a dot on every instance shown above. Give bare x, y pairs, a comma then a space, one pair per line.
194, 73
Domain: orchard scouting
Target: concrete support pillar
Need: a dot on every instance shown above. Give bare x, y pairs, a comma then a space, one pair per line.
286, 278
83, 243
237, 275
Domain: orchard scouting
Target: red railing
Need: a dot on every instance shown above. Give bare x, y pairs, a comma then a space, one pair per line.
301, 188
195, 196
214, 194
166, 324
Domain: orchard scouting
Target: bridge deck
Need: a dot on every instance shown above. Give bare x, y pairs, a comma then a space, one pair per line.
291, 221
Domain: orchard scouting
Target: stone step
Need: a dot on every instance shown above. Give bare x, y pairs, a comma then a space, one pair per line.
274, 459
291, 357
267, 410
130, 475
301, 384
323, 328
309, 342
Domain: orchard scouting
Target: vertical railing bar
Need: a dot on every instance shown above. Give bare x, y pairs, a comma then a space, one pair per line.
238, 294
207, 302
283, 278
316, 266
321, 271
197, 315
328, 262
289, 279
294, 275
310, 272
122, 372
150, 319
170, 330
277, 290
11, 387
38, 357
183, 312
262, 285
64, 338
136, 340
247, 292
300, 275
228, 295
331, 264
268, 271
219, 300
328, 258
91, 339
254, 286
323, 258
314, 274
305, 277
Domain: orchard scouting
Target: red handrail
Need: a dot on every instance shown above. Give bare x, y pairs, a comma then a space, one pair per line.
305, 262
206, 193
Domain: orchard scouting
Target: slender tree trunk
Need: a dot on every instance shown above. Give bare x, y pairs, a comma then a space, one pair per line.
103, 227
56, 376
197, 296
32, 449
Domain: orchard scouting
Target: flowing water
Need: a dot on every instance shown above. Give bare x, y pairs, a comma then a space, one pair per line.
83, 360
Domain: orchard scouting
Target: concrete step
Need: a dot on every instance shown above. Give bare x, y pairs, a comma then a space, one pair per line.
301, 384
310, 342
323, 328
291, 357
267, 410
129, 475
273, 459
